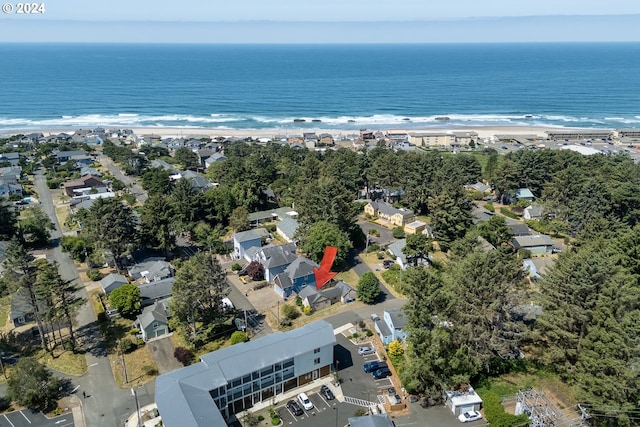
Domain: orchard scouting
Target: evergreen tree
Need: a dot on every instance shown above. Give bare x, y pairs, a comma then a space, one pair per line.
450, 215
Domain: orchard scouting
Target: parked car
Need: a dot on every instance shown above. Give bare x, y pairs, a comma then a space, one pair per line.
373, 366
305, 402
327, 393
364, 350
469, 416
381, 373
295, 409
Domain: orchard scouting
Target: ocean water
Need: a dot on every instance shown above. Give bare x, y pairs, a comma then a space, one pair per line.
49, 86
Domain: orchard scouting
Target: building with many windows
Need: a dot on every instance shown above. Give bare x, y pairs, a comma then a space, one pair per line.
230, 380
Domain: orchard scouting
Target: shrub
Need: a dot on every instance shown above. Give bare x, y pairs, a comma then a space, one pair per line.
149, 370
398, 232
373, 248
495, 414
307, 310
508, 213
77, 246
374, 232
126, 345
299, 301
271, 228
255, 270
236, 267
290, 312
94, 274
183, 355
380, 255
489, 206
238, 336
395, 349
368, 332
134, 331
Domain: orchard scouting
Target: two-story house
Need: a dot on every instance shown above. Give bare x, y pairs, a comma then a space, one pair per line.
391, 326
389, 213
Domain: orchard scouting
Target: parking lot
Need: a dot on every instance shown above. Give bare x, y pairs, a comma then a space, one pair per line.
28, 418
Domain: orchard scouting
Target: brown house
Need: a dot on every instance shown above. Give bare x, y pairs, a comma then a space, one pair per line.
87, 181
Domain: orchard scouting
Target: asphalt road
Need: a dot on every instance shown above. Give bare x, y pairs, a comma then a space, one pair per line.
131, 183
105, 404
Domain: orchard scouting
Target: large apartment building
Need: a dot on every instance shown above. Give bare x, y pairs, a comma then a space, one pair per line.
230, 380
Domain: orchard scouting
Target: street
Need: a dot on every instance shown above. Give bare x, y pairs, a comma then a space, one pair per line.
131, 183
106, 404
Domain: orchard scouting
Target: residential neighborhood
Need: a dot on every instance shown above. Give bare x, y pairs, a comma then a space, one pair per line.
212, 281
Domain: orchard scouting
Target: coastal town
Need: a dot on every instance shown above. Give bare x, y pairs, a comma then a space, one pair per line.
186, 278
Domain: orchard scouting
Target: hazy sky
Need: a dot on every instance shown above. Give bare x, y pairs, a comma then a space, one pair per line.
165, 21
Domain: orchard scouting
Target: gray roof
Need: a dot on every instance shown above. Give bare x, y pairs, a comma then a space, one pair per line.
279, 255
398, 318
288, 227
517, 229
396, 249
534, 210
308, 292
272, 214
183, 397
524, 193
376, 420
331, 292
531, 241
245, 236
60, 154
300, 267
154, 313
112, 281
388, 209
150, 292
151, 269
163, 165
345, 288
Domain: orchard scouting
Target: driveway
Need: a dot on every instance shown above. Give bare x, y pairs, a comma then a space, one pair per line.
162, 352
386, 236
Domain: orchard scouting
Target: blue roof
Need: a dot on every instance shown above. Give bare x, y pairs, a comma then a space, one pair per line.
524, 193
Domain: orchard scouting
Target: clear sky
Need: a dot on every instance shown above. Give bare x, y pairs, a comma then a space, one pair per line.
165, 21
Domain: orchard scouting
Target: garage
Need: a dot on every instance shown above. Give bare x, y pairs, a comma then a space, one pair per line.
463, 400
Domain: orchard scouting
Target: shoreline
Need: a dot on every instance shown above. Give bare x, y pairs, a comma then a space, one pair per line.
484, 132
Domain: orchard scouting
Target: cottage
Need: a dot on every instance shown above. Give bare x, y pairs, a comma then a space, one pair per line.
295, 277
532, 212
524, 194
243, 241
395, 249
462, 401
65, 156
112, 281
214, 158
538, 244
391, 326
415, 227
275, 259
12, 158
22, 311
87, 181
518, 229
153, 322
287, 229
390, 214
153, 292
151, 270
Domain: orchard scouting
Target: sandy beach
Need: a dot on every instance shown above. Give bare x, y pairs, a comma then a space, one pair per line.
484, 132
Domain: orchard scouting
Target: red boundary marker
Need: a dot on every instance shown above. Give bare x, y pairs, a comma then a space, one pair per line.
324, 273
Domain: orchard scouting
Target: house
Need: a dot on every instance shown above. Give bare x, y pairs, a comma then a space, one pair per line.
153, 292
197, 181
395, 249
112, 281
243, 241
426, 139
235, 378
462, 401
533, 211
151, 270
8, 190
538, 245
524, 194
518, 229
415, 227
391, 326
295, 277
479, 186
347, 293
21, 308
386, 212
12, 158
257, 218
214, 158
10, 174
275, 259
313, 298
371, 420
153, 322
65, 156
536, 267
86, 170
287, 229
326, 139
87, 181
465, 138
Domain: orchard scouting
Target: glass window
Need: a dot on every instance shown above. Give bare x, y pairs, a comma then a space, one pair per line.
288, 363
288, 375
316, 361
236, 383
278, 366
317, 350
255, 375
266, 371
246, 379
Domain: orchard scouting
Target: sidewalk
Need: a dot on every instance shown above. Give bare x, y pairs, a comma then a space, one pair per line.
147, 417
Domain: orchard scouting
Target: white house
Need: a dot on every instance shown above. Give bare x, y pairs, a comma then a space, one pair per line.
462, 401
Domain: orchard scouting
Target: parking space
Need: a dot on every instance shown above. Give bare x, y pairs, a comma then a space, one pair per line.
320, 407
28, 418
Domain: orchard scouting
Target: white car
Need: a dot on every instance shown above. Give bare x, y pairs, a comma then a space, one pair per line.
305, 402
363, 351
469, 416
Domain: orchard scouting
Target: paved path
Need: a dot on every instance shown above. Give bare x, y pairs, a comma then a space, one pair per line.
131, 183
162, 352
105, 405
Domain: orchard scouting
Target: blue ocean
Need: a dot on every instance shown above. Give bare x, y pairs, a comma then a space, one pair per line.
49, 86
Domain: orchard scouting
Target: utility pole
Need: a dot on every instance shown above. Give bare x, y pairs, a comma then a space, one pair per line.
135, 396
